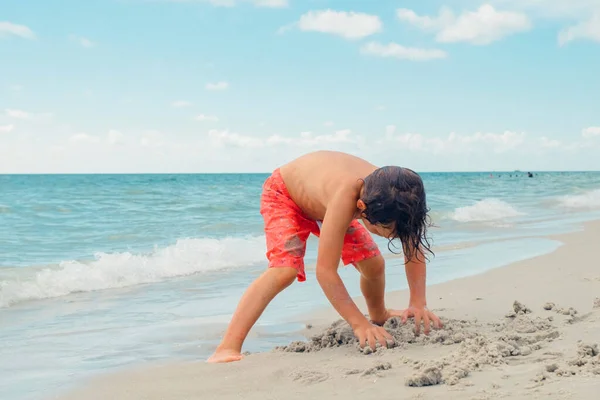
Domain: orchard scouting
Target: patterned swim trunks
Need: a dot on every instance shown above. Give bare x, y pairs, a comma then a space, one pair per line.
287, 229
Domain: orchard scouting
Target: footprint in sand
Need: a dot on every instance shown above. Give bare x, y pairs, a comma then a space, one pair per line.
309, 377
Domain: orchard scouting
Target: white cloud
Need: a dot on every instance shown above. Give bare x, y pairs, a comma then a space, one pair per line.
308, 139
222, 3
445, 18
455, 143
587, 29
84, 138
226, 138
233, 3
86, 42
112, 138
549, 143
222, 85
8, 28
349, 25
6, 128
115, 137
181, 103
395, 50
582, 15
591, 131
560, 9
271, 3
328, 123
82, 41
480, 27
389, 131
18, 114
229, 151
152, 139
305, 139
207, 118
216, 3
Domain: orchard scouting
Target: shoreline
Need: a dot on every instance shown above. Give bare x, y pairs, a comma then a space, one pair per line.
568, 277
319, 317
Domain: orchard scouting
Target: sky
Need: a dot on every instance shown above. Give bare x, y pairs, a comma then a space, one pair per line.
131, 86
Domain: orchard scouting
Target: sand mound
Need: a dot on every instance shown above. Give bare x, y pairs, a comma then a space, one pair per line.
340, 334
519, 335
570, 312
476, 345
382, 366
586, 363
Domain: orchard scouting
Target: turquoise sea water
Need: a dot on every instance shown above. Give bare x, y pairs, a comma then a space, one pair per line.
99, 272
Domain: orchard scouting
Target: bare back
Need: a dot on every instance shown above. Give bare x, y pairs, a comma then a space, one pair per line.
313, 179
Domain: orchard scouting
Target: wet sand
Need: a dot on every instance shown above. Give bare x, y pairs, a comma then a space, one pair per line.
529, 330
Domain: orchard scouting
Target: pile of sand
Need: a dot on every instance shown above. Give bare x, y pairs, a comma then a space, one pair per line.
340, 334
474, 345
587, 362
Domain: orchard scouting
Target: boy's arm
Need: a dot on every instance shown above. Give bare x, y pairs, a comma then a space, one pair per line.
417, 306
337, 219
416, 275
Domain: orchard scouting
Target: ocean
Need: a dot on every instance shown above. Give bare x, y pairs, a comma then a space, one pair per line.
101, 272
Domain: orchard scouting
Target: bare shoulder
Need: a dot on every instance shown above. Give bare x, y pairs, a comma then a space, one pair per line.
321, 180
343, 198
329, 159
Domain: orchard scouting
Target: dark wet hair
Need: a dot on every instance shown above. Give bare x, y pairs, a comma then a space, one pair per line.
395, 197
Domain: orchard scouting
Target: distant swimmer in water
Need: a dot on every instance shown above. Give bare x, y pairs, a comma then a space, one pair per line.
529, 174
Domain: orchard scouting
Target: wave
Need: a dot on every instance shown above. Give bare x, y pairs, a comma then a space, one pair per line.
485, 210
117, 270
589, 200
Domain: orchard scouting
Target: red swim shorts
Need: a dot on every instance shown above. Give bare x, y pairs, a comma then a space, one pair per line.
287, 230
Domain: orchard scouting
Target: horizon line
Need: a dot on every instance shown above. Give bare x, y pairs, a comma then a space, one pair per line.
269, 172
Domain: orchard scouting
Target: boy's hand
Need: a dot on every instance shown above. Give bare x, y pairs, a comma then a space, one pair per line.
368, 332
420, 314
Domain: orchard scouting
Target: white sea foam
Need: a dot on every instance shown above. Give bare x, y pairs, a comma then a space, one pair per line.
117, 270
589, 200
485, 210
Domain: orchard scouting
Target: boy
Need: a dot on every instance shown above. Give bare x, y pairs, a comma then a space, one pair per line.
324, 193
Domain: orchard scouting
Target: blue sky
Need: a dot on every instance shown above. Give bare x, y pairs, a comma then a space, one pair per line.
244, 85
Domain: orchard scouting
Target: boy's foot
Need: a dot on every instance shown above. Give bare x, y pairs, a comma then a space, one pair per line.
225, 356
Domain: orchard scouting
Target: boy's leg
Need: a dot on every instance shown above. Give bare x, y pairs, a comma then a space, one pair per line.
251, 306
286, 232
372, 286
361, 251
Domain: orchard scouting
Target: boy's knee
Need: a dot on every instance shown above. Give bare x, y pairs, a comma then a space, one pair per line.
284, 276
372, 268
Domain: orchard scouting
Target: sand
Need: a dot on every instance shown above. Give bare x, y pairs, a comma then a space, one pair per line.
526, 331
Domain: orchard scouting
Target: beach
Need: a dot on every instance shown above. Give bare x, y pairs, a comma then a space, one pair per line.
526, 330
140, 197
101, 274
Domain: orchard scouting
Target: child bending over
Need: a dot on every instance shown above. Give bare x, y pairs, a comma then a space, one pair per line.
325, 193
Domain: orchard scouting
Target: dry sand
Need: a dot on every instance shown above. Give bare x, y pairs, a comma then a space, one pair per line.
530, 330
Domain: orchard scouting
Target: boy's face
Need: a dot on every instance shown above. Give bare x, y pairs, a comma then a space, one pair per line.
378, 230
